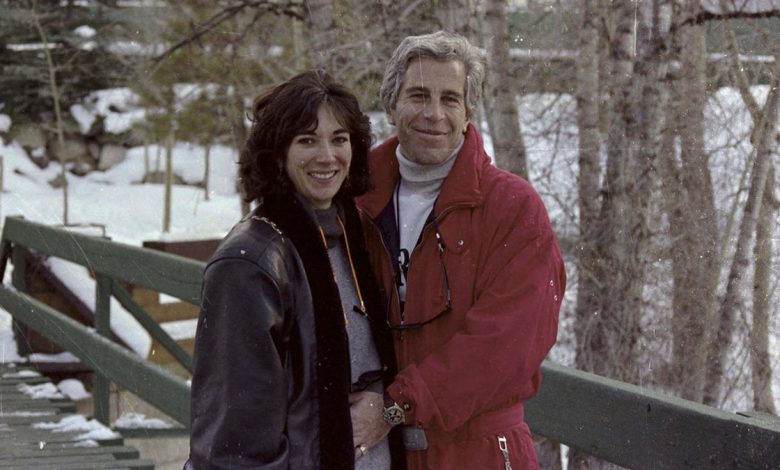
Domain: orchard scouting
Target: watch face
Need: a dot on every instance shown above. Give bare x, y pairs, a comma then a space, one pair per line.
394, 415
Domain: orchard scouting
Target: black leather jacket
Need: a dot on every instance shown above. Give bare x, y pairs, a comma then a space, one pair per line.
271, 363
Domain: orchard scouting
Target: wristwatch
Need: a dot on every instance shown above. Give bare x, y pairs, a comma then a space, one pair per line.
392, 412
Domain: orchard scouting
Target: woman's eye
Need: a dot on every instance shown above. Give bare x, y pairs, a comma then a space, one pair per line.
341, 139
305, 140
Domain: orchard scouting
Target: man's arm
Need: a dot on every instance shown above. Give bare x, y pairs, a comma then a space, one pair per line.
239, 390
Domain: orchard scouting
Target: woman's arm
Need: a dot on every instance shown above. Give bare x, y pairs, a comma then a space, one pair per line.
239, 386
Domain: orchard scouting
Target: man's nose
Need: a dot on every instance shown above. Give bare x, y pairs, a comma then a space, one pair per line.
433, 110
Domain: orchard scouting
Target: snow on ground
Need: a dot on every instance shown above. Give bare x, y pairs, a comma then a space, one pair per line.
73, 389
140, 421
92, 429
44, 391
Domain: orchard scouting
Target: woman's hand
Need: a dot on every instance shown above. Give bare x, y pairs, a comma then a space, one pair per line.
368, 425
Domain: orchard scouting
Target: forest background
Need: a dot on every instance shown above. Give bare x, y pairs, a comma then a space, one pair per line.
649, 127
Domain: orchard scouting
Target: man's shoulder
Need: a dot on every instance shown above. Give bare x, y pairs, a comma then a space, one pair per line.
502, 187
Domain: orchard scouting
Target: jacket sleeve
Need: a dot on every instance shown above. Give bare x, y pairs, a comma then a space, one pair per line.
239, 389
495, 356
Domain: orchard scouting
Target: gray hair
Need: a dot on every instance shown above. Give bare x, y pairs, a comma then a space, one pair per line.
442, 46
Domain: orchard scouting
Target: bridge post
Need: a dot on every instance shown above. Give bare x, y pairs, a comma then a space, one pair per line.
101, 385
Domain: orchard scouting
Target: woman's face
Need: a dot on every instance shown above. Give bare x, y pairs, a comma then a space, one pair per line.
317, 162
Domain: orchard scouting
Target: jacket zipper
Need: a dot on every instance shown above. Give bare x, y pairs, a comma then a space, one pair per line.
504, 448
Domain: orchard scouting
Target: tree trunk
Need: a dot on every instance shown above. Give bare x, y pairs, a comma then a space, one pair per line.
719, 346
549, 455
206, 170
508, 147
167, 196
763, 399
457, 16
236, 112
323, 34
588, 113
690, 204
55, 93
146, 158
614, 353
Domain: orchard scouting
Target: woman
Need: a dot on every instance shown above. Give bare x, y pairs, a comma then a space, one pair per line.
287, 327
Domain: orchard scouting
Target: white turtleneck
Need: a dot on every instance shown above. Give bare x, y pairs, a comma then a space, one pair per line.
415, 196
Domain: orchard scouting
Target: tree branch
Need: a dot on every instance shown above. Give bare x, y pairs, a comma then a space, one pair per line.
286, 9
705, 16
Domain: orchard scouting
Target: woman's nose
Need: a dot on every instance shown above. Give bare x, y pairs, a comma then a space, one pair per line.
326, 153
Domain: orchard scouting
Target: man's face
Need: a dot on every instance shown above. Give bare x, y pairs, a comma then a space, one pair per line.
430, 113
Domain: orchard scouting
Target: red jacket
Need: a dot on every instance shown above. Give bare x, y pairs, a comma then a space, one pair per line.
464, 376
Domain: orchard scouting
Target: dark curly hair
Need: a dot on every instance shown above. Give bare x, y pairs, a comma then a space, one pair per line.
291, 109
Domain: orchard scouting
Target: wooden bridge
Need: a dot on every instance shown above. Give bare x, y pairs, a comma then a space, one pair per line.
40, 430
620, 423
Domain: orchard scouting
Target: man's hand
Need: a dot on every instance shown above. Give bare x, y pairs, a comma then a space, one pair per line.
368, 425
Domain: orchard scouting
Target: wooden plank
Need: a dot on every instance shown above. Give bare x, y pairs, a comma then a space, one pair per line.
154, 329
135, 464
55, 461
157, 386
163, 272
642, 429
119, 452
33, 441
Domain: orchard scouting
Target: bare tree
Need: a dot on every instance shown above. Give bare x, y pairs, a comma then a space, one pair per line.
57, 111
763, 399
764, 138
588, 117
508, 146
457, 16
168, 183
323, 33
689, 202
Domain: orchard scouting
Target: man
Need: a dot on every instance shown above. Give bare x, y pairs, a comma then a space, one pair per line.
469, 268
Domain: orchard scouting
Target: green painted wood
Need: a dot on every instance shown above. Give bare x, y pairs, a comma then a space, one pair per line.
25, 443
101, 392
135, 464
163, 272
19, 274
56, 461
152, 433
155, 385
642, 429
119, 452
38, 406
154, 329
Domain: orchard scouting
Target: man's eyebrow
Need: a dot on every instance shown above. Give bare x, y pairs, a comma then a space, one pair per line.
414, 89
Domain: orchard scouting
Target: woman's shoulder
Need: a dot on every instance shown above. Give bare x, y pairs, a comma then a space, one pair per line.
255, 239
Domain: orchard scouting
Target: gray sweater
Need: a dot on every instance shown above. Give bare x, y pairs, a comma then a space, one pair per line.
362, 351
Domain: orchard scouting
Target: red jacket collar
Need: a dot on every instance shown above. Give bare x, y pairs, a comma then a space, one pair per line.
461, 187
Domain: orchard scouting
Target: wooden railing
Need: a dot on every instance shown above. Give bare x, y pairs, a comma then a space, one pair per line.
620, 423
111, 264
